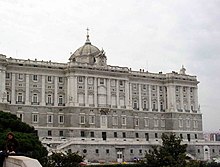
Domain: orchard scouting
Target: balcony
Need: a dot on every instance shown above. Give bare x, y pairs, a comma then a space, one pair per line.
61, 104
19, 102
49, 104
35, 103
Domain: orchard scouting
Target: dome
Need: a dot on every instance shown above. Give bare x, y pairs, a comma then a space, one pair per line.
87, 50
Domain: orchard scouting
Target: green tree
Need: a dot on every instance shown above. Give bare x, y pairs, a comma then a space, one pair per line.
171, 154
67, 159
29, 143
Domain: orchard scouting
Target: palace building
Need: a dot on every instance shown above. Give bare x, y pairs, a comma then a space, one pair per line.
107, 113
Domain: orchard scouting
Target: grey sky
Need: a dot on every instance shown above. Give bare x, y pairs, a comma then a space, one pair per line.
154, 35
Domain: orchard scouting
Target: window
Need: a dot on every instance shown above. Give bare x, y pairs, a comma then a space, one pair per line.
196, 137
96, 151
180, 123
156, 122
115, 135
61, 119
146, 122
198, 150
131, 151
60, 100
60, 133
115, 120
144, 87
49, 133
181, 136
84, 151
92, 134
82, 119
20, 115
147, 136
121, 83
195, 124
20, 77
162, 121
154, 105
156, 135
144, 104
49, 78
20, 97
49, 99
136, 121
101, 81
60, 79
161, 88
80, 79
34, 77
153, 87
49, 118
140, 151
134, 86
7, 75
8, 97
82, 134
123, 134
35, 118
123, 120
35, 98
187, 123
136, 135
135, 105
92, 119
107, 151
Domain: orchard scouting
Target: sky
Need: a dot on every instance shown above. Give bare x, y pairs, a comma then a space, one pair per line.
159, 35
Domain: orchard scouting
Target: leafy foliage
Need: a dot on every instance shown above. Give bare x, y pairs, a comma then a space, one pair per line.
63, 160
170, 154
29, 144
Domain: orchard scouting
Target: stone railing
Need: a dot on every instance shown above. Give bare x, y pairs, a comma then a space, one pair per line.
21, 161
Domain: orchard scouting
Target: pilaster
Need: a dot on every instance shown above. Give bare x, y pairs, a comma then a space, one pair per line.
55, 91
27, 90
140, 100
43, 91
13, 88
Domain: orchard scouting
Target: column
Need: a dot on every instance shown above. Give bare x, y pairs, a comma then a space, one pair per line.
126, 94
165, 98
108, 92
188, 99
70, 95
86, 91
140, 100
75, 95
196, 98
55, 91
158, 98
13, 89
171, 100
43, 91
117, 94
181, 98
130, 95
95, 92
27, 89
3, 93
149, 97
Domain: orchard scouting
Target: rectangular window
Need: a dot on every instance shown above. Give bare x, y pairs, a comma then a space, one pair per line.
107, 151
49, 78
60, 133
92, 134
123, 120
162, 123
60, 100
35, 98
60, 79
49, 118
92, 119
20, 97
136, 135
147, 136
80, 79
156, 122
146, 122
61, 119
180, 123
156, 135
181, 136
136, 122
96, 151
82, 134
82, 119
115, 120
187, 123
196, 137
123, 134
35, 118
49, 133
20, 77
101, 81
49, 99
121, 83
131, 151
115, 135
34, 77
7, 75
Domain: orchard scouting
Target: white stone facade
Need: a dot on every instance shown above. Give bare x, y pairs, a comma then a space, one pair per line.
105, 112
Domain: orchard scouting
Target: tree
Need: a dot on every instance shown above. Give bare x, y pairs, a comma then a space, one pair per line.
67, 159
171, 154
29, 143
